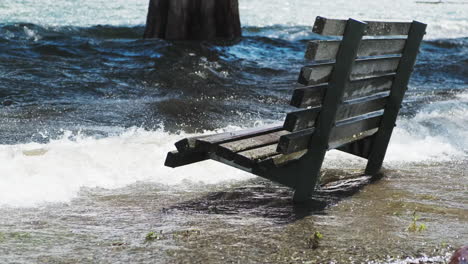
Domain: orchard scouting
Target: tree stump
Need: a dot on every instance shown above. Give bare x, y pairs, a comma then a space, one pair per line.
193, 20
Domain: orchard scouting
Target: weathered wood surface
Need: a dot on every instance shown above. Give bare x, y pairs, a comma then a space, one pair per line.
205, 143
361, 106
337, 144
193, 19
311, 96
279, 160
175, 159
227, 150
318, 73
303, 119
336, 27
308, 96
350, 128
250, 157
327, 49
296, 141
360, 148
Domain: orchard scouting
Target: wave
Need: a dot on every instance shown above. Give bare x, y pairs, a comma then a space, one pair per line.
35, 173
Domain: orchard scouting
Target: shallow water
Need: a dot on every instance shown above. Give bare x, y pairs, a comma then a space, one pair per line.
247, 222
88, 112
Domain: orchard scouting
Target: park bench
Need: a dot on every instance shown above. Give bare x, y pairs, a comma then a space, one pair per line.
350, 98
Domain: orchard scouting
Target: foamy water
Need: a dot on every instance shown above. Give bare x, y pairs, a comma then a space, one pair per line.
54, 172
34, 173
446, 20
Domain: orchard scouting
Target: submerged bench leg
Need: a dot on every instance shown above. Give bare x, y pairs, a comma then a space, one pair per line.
301, 175
307, 175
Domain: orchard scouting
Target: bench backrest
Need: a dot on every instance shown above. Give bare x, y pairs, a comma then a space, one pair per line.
355, 85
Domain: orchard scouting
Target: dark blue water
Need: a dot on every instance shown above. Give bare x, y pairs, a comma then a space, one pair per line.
90, 78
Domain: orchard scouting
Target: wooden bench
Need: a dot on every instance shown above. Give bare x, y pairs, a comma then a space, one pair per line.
350, 98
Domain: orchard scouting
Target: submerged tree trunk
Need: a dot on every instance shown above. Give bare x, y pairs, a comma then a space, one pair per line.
193, 19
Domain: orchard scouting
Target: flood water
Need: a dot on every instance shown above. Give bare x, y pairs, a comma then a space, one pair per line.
88, 111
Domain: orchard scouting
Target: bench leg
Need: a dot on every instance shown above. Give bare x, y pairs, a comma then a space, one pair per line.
301, 175
379, 149
307, 175
373, 166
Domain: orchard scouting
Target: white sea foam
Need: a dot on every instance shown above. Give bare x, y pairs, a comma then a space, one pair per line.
54, 172
447, 20
438, 132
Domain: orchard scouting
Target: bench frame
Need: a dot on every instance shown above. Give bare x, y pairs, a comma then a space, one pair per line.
304, 173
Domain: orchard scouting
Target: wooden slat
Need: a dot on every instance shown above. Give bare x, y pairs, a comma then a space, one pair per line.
363, 68
360, 148
311, 96
368, 86
336, 27
361, 106
308, 96
303, 119
355, 137
279, 160
250, 157
175, 159
228, 150
351, 127
298, 141
318, 73
366, 68
295, 142
207, 142
327, 49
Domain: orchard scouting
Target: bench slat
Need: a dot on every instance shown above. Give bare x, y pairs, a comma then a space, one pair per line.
303, 119
360, 148
351, 127
361, 106
250, 157
363, 68
205, 143
279, 160
327, 49
227, 150
311, 96
175, 159
299, 120
336, 27
298, 141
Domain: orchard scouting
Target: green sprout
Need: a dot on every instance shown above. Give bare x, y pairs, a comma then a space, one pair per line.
314, 240
414, 226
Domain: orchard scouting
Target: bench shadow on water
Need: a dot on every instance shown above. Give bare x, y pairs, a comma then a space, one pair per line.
261, 198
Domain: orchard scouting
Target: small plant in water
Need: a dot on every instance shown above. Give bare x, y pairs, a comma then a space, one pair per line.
314, 240
414, 227
151, 236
